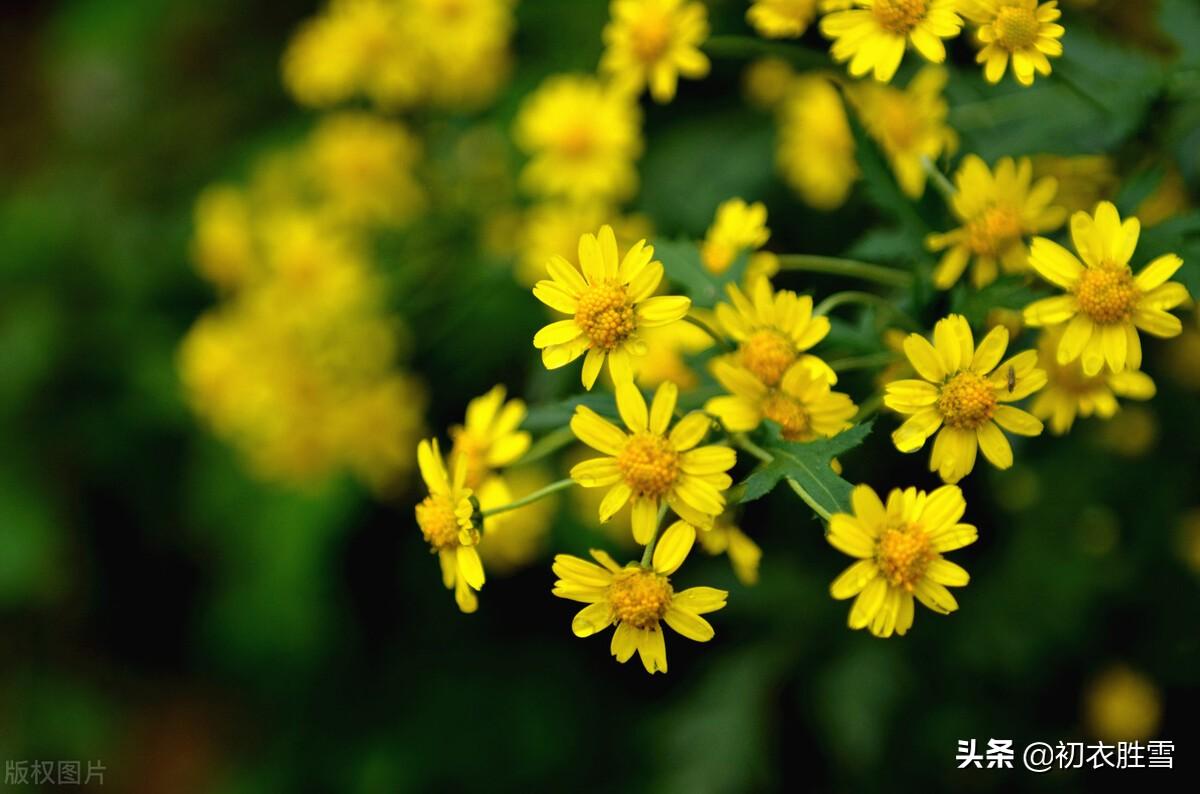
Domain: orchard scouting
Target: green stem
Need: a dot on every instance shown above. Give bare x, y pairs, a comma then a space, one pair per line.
862, 362
939, 179
845, 267
808, 500
703, 326
869, 408
540, 493
852, 297
648, 554
547, 445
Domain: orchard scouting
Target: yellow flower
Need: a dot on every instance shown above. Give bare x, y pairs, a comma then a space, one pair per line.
766, 82
909, 124
223, 242
582, 139
654, 42
738, 226
1023, 30
1069, 392
962, 394
609, 303
727, 538
1083, 180
363, 164
782, 19
899, 550
489, 439
815, 152
1122, 705
554, 228
638, 599
801, 404
773, 331
997, 212
873, 36
650, 466
1105, 304
445, 519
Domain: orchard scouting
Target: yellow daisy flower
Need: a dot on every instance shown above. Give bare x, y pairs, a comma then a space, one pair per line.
782, 19
1069, 392
997, 210
638, 599
964, 390
738, 226
899, 550
815, 150
609, 304
650, 466
1023, 30
773, 331
909, 124
582, 138
489, 438
445, 519
1105, 303
654, 42
727, 538
802, 403
873, 36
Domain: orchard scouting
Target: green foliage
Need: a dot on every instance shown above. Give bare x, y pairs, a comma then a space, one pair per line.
809, 466
681, 262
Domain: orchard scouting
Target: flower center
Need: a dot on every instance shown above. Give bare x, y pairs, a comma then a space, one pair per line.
576, 142
900, 16
649, 465
993, 231
639, 597
435, 517
650, 37
605, 315
1016, 28
767, 354
902, 554
1107, 294
967, 401
790, 414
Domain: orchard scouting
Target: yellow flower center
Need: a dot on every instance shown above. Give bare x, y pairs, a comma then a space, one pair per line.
900, 16
576, 142
903, 554
1016, 27
649, 465
767, 354
789, 414
967, 401
639, 597
606, 315
993, 231
1107, 294
650, 37
435, 517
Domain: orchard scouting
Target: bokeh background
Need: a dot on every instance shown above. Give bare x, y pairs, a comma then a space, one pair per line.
198, 626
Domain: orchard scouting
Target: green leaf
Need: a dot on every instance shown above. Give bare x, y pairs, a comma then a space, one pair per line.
808, 465
1008, 292
881, 187
551, 416
681, 261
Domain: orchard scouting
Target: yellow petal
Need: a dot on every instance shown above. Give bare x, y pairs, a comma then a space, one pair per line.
632, 407
592, 619
852, 581
597, 432
663, 407
994, 445
673, 547
924, 358
688, 624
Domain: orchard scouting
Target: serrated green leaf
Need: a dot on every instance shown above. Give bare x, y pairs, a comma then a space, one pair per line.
808, 464
681, 261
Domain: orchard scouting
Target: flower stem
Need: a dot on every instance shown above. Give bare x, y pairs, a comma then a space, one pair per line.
706, 328
939, 179
846, 267
862, 362
540, 493
547, 445
851, 297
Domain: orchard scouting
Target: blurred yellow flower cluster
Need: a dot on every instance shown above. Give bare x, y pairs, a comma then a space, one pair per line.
401, 53
297, 365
